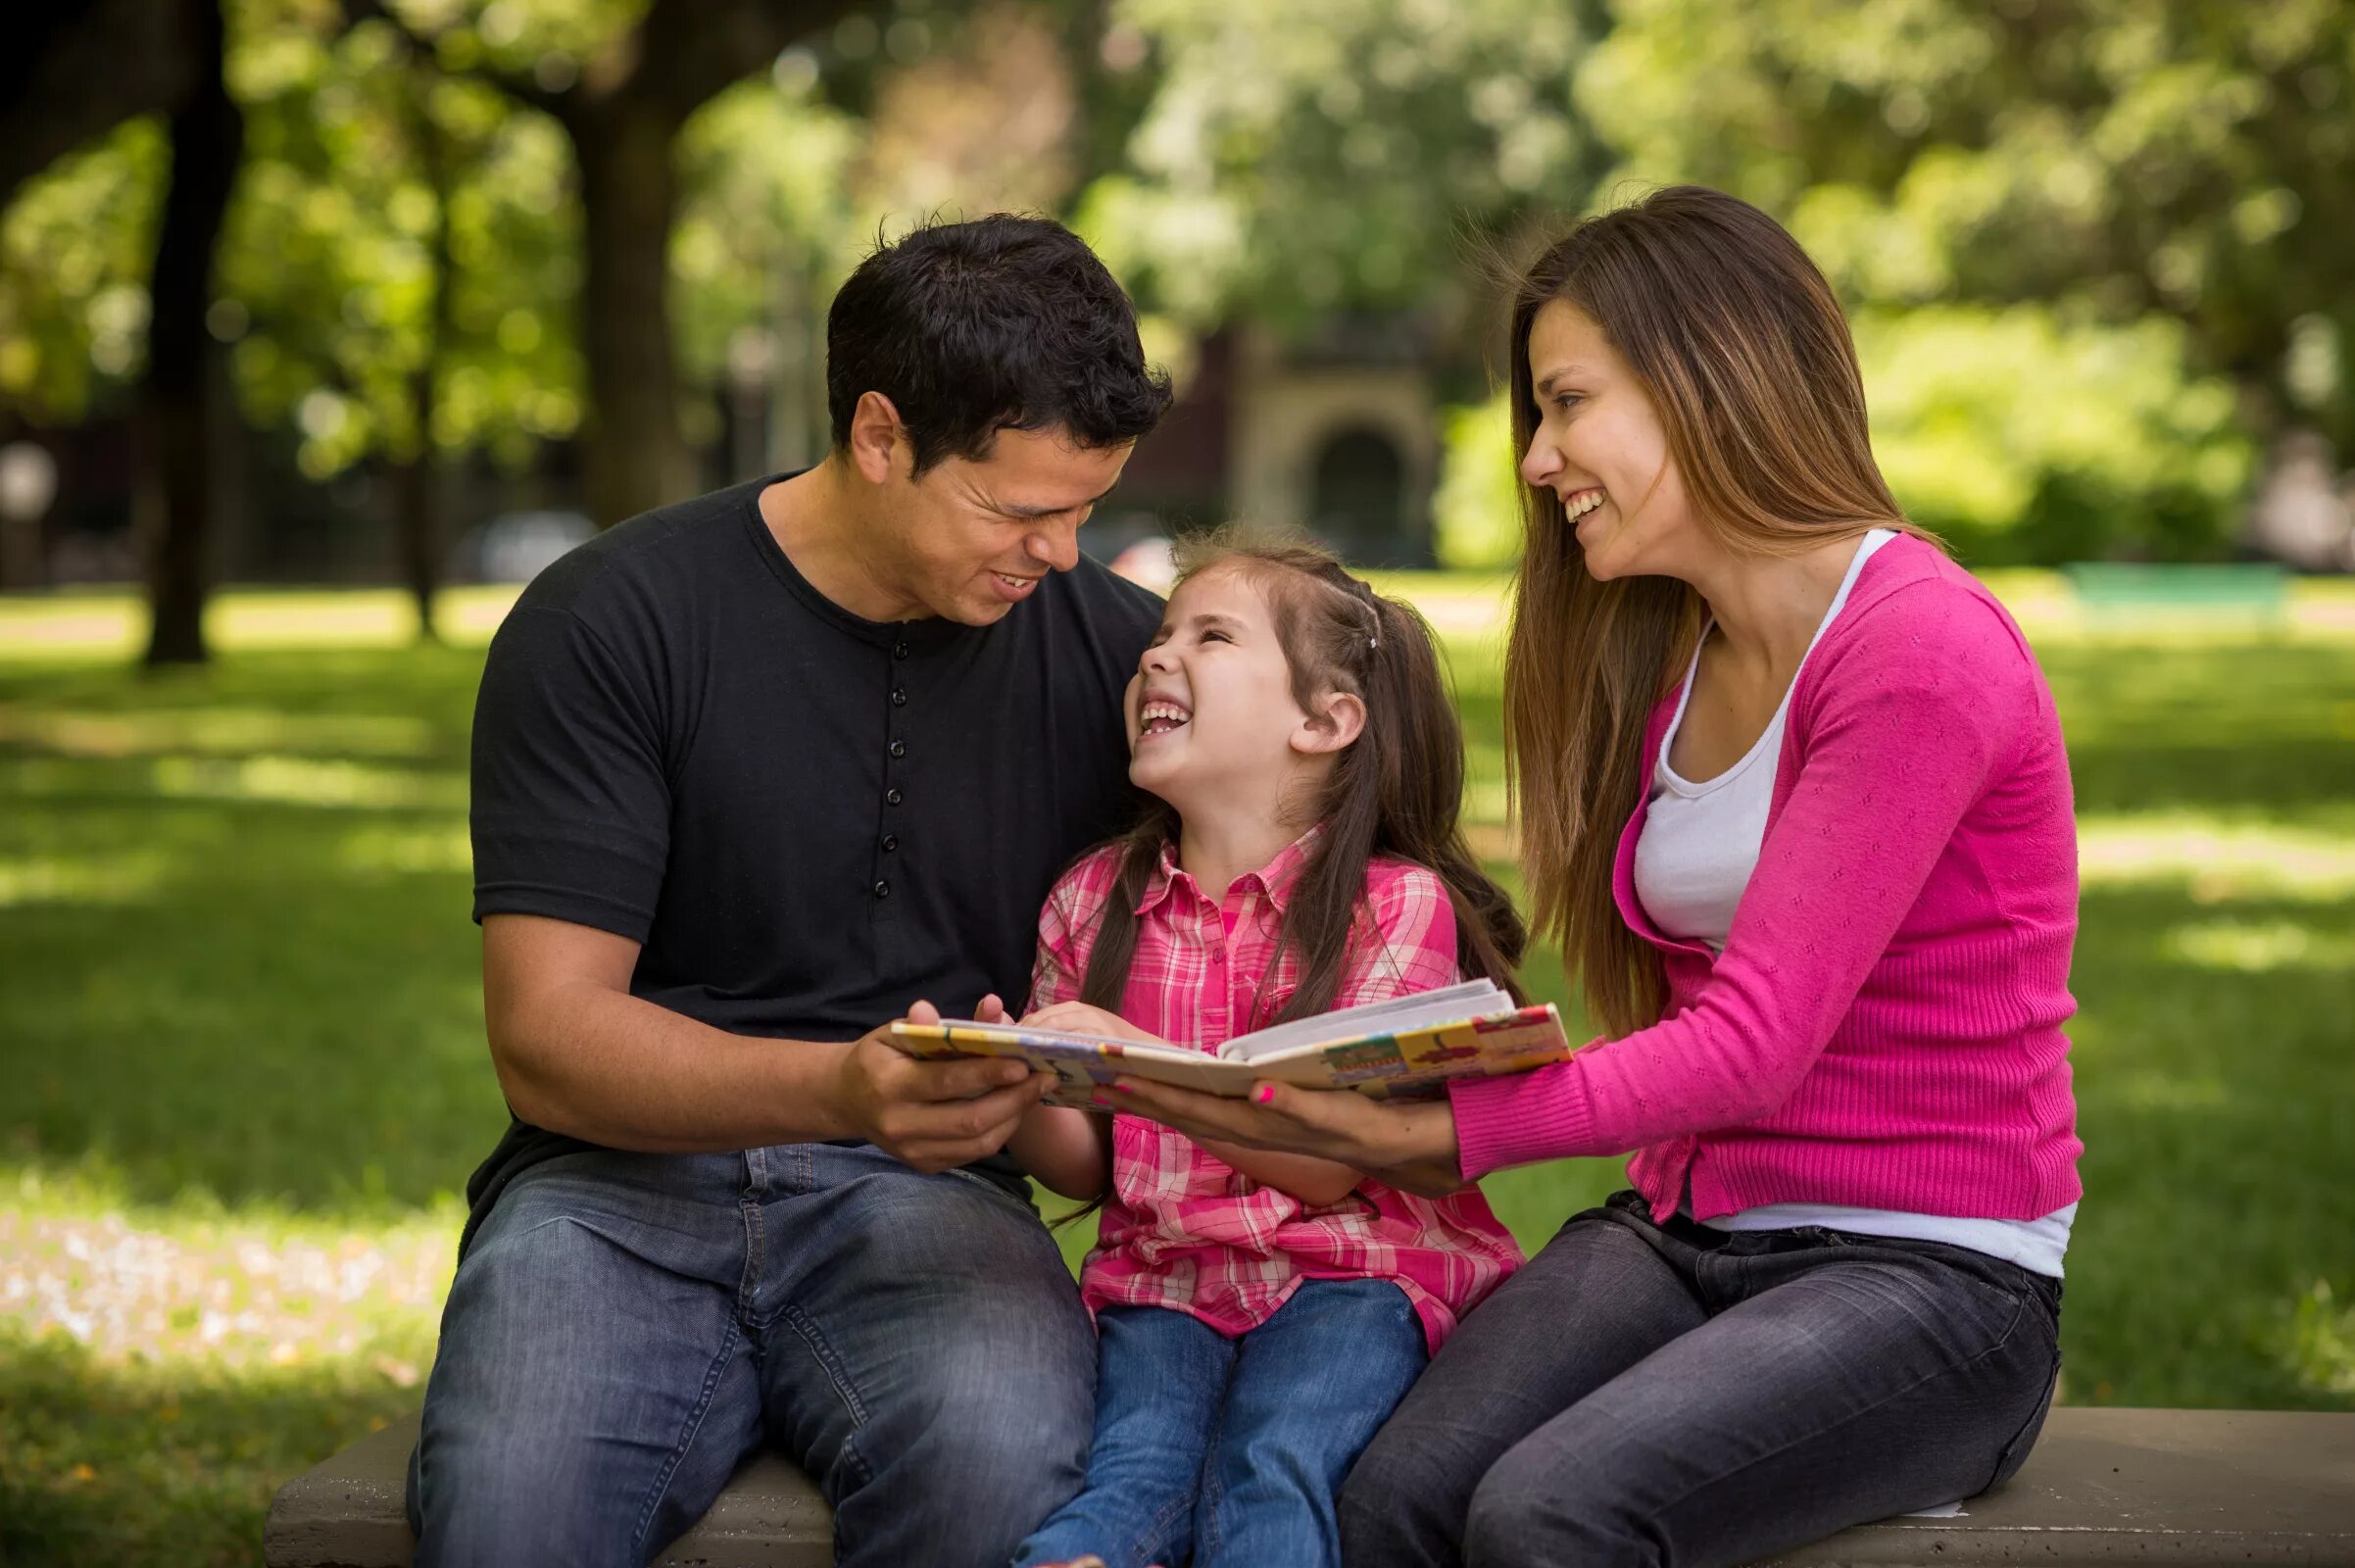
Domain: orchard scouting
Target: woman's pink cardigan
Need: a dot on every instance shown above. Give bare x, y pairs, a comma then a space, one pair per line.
1884, 1027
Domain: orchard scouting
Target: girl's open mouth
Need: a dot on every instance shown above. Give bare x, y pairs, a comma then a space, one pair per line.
1159, 717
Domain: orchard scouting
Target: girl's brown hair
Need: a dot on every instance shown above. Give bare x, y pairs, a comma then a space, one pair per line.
1745, 354
1395, 790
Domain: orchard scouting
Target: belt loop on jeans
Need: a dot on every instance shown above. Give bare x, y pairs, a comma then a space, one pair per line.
756, 1173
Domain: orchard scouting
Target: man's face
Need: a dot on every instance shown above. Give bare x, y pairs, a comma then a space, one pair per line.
972, 537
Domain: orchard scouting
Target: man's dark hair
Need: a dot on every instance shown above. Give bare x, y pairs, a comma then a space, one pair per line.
1002, 323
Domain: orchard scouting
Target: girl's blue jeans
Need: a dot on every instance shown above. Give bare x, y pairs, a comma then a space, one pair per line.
1226, 1451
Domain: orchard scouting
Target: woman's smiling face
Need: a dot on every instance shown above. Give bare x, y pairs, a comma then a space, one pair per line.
1210, 711
1601, 447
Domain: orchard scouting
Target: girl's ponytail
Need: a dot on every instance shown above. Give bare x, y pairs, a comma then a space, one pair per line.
1421, 802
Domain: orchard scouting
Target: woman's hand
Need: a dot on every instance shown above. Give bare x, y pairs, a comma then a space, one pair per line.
1078, 1018
1408, 1146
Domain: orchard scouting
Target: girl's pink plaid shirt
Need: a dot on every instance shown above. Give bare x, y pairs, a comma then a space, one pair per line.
1183, 1229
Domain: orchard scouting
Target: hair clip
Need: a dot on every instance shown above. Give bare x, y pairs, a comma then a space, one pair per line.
1374, 644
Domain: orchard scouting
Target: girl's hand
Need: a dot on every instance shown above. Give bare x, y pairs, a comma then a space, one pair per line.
1078, 1018
1409, 1146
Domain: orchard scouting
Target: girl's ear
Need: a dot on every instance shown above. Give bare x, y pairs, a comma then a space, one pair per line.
1337, 721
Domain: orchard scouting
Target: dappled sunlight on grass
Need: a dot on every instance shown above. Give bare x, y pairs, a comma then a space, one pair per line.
113, 878
406, 851
2258, 946
305, 781
109, 624
248, 975
214, 731
234, 1286
2214, 858
2322, 1341
164, 1366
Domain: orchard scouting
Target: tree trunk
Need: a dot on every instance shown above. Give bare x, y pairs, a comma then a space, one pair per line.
183, 414
419, 498
72, 70
634, 455
417, 527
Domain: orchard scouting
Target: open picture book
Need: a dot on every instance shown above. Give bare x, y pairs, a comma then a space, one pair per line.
1408, 1046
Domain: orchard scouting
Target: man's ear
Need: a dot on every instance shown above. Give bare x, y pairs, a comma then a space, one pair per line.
1336, 721
875, 437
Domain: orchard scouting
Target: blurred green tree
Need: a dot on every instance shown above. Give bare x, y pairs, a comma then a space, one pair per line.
401, 264
2074, 169
1338, 155
621, 80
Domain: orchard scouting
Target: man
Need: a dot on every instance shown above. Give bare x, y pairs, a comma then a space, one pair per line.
754, 775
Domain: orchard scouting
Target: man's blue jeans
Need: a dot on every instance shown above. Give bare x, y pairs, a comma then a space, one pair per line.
626, 1328
1230, 1451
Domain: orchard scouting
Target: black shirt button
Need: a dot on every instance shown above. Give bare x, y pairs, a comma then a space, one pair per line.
883, 890
891, 842
898, 697
892, 796
899, 650
899, 747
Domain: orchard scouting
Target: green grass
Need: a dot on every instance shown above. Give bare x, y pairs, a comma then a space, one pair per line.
241, 1070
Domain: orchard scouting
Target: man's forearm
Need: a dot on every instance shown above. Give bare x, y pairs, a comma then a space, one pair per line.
617, 1071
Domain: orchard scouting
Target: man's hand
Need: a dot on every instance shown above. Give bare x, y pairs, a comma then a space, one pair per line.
933, 1115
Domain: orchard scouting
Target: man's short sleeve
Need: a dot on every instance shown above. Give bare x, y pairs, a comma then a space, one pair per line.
571, 804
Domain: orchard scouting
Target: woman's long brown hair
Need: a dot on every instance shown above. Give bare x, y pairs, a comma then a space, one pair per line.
1747, 359
1395, 790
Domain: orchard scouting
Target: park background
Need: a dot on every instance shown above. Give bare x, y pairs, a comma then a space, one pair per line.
322, 322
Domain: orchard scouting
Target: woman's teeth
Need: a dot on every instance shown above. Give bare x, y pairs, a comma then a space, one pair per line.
1583, 503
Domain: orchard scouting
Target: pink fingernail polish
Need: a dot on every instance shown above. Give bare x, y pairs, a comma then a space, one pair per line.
1265, 1095
1125, 1088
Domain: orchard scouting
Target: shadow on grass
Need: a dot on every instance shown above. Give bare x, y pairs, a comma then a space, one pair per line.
148, 1467
2258, 728
2216, 1104
235, 909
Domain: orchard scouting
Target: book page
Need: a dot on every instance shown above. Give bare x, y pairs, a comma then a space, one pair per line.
1470, 1000
967, 1037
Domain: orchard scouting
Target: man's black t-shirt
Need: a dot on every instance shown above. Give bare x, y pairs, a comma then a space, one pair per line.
807, 820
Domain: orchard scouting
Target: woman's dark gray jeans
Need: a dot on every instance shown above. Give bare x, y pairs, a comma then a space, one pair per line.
1643, 1394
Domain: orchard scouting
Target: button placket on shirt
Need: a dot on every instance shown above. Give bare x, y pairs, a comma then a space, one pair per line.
895, 794
1220, 976
1233, 1016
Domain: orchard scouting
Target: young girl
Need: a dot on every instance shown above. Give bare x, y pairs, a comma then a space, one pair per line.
1261, 1314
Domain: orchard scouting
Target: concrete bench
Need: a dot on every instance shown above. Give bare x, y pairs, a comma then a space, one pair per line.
2197, 1489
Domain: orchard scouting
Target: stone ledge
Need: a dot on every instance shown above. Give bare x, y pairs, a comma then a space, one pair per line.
2194, 1489
350, 1512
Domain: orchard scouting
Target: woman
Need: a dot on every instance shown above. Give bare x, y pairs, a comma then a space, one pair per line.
1792, 796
